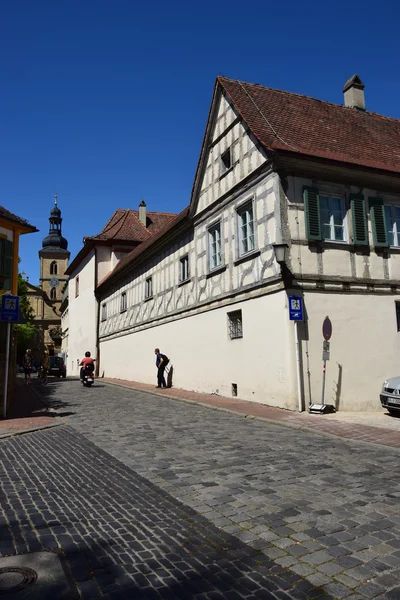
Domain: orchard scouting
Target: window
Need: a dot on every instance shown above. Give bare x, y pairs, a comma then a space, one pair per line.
226, 161
53, 294
397, 304
6, 263
53, 268
246, 229
104, 311
123, 302
184, 268
325, 216
392, 219
214, 242
235, 324
148, 292
333, 218
76, 286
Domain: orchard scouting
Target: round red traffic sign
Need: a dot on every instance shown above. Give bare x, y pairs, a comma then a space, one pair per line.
327, 328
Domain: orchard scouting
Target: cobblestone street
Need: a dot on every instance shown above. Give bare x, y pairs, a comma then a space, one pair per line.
151, 497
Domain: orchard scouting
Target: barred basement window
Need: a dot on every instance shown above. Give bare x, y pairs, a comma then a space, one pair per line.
123, 302
104, 312
235, 324
397, 303
148, 291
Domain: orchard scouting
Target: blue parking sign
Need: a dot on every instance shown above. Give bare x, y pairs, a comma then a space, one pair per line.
9, 308
295, 308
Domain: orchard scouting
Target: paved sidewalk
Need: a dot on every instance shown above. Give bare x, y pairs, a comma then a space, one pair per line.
334, 425
27, 412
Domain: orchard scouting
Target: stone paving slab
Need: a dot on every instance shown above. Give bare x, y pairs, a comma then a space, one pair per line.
337, 425
122, 536
324, 507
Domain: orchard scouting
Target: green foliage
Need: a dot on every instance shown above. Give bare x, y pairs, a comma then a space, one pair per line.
26, 332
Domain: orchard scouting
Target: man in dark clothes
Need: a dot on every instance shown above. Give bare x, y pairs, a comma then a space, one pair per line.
161, 363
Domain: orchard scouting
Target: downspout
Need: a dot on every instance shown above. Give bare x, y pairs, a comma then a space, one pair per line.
97, 314
279, 239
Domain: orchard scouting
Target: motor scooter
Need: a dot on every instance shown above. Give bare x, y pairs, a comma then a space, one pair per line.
88, 376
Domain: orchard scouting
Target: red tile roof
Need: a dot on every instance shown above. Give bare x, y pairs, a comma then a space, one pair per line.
126, 226
286, 121
6, 214
134, 254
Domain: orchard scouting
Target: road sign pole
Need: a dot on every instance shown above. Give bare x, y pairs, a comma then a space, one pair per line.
296, 338
7, 364
323, 382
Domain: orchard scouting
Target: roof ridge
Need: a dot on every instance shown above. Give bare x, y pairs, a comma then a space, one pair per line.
266, 87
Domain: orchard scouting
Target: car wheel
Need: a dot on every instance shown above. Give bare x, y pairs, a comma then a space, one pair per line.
63, 376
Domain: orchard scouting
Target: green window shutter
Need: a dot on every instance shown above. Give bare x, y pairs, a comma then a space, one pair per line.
377, 212
7, 263
360, 226
312, 213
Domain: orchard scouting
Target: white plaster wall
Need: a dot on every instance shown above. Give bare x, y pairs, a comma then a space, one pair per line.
245, 157
205, 359
82, 314
7, 232
365, 342
103, 261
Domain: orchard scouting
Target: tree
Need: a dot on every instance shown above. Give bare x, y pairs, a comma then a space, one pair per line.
26, 332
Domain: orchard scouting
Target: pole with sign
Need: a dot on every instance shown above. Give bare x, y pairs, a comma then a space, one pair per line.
327, 333
9, 313
296, 315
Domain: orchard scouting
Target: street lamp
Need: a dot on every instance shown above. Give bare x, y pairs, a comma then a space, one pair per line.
280, 251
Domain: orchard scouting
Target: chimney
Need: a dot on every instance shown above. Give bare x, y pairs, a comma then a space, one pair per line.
354, 93
142, 213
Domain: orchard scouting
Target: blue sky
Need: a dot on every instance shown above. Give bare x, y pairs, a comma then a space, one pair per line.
106, 102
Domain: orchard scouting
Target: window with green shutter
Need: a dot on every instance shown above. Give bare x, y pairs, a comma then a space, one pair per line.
360, 226
377, 213
312, 213
6, 264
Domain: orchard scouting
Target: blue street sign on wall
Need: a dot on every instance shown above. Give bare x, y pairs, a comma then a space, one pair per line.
9, 308
295, 308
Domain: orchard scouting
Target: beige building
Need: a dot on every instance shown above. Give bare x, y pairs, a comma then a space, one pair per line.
278, 172
46, 298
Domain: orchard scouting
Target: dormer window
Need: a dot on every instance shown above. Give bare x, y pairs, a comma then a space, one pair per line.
226, 161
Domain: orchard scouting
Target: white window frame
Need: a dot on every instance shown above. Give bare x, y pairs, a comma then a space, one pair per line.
330, 196
215, 259
393, 225
224, 168
235, 324
123, 302
104, 311
244, 210
184, 268
148, 289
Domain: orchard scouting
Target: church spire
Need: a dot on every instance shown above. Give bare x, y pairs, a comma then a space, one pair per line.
55, 240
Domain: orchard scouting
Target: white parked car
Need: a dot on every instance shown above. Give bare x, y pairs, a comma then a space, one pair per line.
390, 395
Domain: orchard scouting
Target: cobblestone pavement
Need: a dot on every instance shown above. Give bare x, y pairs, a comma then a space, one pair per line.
122, 536
326, 508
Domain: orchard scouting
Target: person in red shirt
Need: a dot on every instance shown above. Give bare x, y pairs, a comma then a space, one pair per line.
87, 363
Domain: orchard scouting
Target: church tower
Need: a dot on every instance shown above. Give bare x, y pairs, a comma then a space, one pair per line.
54, 257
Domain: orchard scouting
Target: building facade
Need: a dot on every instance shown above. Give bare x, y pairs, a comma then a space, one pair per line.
45, 299
11, 228
126, 230
276, 170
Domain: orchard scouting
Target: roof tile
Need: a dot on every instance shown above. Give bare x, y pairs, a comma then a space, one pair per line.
286, 121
